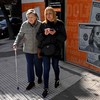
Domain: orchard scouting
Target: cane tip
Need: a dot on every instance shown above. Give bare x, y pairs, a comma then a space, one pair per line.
17, 88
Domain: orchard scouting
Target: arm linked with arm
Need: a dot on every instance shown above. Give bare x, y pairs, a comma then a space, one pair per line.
40, 34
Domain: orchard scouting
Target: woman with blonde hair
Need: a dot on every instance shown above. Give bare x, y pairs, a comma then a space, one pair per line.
51, 36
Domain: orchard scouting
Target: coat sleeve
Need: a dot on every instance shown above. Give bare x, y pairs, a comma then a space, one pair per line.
40, 34
20, 35
61, 32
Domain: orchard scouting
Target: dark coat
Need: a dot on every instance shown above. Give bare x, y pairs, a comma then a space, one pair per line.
58, 38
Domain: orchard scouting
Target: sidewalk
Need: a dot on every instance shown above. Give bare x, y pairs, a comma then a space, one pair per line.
87, 88
75, 83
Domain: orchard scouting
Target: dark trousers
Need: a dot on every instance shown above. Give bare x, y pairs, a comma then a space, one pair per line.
33, 61
46, 62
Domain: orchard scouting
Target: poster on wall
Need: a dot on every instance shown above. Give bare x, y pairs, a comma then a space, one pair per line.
94, 59
95, 12
89, 37
78, 14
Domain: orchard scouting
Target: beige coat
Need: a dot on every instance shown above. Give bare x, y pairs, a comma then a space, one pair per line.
28, 34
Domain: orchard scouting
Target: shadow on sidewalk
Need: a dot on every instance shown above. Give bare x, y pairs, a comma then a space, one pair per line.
70, 71
78, 91
10, 53
2, 44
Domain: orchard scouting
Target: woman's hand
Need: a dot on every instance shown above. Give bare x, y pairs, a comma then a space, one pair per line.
52, 31
39, 53
14, 47
47, 31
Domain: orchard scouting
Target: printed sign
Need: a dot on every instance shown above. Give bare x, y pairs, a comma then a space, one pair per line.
95, 12
94, 59
89, 37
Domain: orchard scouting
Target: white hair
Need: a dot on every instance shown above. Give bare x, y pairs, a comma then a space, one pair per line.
31, 11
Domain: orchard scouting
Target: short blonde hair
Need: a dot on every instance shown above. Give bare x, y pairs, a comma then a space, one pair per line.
52, 10
31, 11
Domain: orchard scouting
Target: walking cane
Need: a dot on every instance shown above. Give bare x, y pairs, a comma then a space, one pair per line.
16, 65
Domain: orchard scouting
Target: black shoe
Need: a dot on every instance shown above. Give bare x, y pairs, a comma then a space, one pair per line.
39, 80
30, 86
45, 93
56, 83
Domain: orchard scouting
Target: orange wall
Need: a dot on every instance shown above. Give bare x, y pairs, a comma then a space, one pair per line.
27, 6
77, 11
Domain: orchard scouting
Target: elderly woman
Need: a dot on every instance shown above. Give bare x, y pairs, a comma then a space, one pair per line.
27, 33
51, 36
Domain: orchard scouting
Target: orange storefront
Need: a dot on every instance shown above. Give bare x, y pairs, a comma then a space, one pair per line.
77, 11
